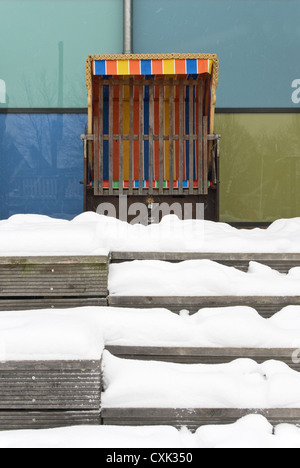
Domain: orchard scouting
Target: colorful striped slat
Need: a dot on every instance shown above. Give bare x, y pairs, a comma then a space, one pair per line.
166, 184
152, 67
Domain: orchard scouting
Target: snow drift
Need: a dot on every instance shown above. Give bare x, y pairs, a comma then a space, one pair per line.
93, 234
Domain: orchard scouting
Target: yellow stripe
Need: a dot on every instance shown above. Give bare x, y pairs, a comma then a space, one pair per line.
169, 67
123, 67
210, 65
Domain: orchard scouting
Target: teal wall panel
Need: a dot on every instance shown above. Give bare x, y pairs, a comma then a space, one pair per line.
257, 42
44, 44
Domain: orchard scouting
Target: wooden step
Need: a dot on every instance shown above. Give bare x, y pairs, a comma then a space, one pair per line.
40, 278
39, 394
205, 355
280, 262
266, 306
192, 418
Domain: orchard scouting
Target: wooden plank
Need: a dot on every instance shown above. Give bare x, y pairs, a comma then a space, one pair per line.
265, 306
111, 127
181, 133
55, 260
193, 418
161, 134
18, 420
96, 156
61, 366
50, 303
101, 112
141, 141
121, 133
171, 136
188, 355
131, 117
151, 135
205, 155
155, 137
200, 137
191, 141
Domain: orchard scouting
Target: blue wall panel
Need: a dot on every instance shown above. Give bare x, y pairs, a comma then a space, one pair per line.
41, 164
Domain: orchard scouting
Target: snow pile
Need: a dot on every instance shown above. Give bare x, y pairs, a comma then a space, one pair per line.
236, 327
199, 278
92, 234
253, 431
50, 335
82, 333
25, 235
240, 384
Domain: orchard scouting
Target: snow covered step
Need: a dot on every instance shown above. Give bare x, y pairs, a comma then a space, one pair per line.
196, 284
281, 262
266, 306
149, 393
206, 355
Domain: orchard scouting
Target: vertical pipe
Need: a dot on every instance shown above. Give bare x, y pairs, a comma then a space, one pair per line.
128, 27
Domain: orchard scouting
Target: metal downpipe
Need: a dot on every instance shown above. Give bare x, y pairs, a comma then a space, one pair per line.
128, 27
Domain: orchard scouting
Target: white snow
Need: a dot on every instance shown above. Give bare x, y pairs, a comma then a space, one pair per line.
50, 335
253, 431
82, 333
241, 384
199, 278
92, 234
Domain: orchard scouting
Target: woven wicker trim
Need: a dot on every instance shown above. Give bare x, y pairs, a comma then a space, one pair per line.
92, 58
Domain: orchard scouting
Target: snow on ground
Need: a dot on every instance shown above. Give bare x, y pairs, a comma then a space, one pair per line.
82, 333
92, 234
253, 431
241, 384
199, 278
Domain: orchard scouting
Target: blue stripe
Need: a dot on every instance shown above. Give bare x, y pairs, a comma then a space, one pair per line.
146, 132
100, 67
146, 67
191, 67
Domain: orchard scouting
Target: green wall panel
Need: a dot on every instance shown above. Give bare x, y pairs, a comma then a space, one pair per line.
260, 166
44, 45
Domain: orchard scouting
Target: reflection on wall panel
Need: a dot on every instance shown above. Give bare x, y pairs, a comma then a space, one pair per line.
41, 164
260, 166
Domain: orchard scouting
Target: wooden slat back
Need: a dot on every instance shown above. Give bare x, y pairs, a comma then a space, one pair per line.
181, 136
